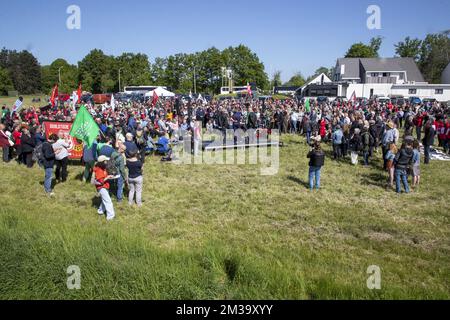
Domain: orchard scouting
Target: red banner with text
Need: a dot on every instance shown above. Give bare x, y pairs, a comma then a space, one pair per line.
76, 152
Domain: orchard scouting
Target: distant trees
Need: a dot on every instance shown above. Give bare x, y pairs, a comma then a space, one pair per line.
6, 83
431, 54
361, 50
297, 80
23, 70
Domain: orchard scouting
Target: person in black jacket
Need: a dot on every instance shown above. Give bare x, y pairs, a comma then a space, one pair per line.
428, 139
28, 144
316, 161
403, 159
48, 161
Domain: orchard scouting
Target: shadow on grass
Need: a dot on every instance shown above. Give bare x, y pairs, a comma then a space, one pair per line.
299, 181
96, 201
375, 179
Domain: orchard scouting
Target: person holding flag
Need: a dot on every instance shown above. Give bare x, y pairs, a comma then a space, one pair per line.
17, 105
84, 127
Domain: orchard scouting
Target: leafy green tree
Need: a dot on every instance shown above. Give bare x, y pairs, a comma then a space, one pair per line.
24, 70
276, 79
6, 83
97, 72
434, 56
50, 76
135, 70
297, 80
410, 48
246, 66
360, 50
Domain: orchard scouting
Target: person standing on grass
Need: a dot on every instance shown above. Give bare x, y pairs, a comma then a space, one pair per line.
17, 135
102, 185
316, 162
28, 145
416, 164
89, 156
337, 142
428, 139
64, 143
4, 143
402, 161
365, 138
48, 161
135, 179
388, 139
390, 156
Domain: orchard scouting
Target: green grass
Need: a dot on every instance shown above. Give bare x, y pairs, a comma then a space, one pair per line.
226, 232
27, 100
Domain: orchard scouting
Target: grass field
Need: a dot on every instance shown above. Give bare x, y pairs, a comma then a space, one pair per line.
226, 232
27, 100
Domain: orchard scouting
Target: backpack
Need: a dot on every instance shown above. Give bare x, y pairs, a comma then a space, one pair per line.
38, 154
111, 166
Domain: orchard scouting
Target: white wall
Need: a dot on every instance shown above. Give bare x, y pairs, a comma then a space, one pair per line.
363, 90
423, 91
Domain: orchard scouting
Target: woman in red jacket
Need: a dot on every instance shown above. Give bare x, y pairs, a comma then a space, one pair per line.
17, 135
323, 129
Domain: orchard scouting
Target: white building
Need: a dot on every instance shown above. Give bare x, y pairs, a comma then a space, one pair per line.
386, 77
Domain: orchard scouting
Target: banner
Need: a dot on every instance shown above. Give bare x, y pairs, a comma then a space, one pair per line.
76, 153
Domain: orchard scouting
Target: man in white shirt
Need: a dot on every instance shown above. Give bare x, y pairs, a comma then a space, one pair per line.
64, 144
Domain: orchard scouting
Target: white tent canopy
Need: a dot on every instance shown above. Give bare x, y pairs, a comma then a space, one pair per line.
161, 92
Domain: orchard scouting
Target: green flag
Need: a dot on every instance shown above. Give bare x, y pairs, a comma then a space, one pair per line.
84, 127
307, 105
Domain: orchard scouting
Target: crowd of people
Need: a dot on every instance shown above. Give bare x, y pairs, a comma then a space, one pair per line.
129, 131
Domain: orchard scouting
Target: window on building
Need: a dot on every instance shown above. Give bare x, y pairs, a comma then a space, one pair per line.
385, 74
374, 74
439, 91
402, 76
412, 91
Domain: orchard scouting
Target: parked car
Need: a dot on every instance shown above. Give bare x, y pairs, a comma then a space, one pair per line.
383, 100
322, 99
398, 100
428, 100
414, 100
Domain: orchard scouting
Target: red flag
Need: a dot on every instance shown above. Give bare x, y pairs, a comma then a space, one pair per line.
54, 95
155, 98
79, 93
249, 89
353, 97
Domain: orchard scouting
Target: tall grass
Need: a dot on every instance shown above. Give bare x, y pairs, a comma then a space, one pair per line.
226, 232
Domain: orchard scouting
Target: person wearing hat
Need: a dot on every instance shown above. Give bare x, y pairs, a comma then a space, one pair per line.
101, 182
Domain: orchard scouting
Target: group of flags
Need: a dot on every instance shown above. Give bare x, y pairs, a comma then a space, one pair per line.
76, 96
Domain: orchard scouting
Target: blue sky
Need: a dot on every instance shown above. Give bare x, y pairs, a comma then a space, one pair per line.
287, 35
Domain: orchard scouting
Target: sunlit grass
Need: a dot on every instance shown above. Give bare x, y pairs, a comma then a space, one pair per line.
226, 232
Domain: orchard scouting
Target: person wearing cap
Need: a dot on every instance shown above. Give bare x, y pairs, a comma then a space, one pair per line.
101, 182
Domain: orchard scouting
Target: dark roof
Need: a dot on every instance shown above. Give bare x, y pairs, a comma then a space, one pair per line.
352, 67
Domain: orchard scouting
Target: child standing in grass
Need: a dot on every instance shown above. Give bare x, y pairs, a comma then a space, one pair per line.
101, 183
416, 164
390, 156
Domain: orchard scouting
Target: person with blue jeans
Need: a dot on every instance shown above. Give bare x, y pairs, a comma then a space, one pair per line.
316, 161
337, 142
119, 161
48, 162
402, 160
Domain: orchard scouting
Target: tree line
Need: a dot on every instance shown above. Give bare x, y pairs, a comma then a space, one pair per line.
99, 73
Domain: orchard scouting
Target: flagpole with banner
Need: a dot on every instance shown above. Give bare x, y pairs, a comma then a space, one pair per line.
84, 127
